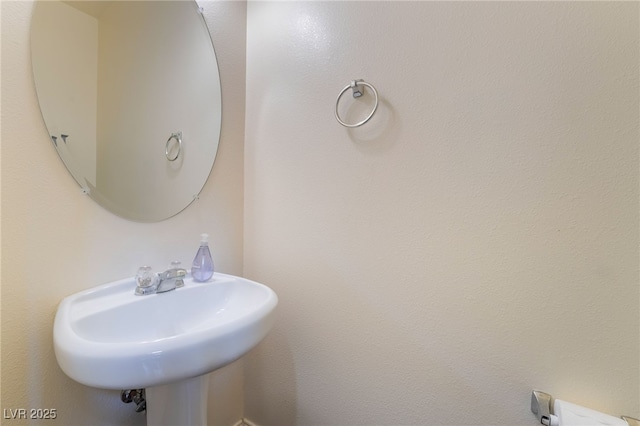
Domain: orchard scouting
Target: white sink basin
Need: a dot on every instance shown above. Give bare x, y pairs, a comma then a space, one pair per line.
107, 337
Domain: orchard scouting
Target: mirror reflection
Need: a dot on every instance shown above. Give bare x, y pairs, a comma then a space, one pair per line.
130, 95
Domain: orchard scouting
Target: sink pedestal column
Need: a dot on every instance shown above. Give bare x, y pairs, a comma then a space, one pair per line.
179, 403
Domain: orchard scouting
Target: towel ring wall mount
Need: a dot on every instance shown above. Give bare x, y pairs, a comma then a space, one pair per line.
357, 92
173, 152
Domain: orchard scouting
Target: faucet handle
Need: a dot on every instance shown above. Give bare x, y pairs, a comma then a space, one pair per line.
146, 277
180, 273
146, 281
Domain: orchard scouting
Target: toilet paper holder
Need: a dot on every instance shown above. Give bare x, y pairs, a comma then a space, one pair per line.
541, 407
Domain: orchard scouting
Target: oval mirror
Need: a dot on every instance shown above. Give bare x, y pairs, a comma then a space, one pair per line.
130, 95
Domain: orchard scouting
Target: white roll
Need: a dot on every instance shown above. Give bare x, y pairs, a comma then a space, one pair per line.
569, 414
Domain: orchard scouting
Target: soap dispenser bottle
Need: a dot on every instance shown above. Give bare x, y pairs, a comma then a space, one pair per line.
202, 267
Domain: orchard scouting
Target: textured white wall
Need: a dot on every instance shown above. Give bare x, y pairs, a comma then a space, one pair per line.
55, 241
476, 240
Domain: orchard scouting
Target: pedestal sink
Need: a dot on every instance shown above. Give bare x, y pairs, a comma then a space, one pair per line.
107, 337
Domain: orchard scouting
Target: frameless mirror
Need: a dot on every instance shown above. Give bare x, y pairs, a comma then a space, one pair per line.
130, 95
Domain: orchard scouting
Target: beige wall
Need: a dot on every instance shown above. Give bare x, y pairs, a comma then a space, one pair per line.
56, 241
476, 240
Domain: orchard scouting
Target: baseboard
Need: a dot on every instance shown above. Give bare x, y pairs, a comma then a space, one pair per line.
244, 422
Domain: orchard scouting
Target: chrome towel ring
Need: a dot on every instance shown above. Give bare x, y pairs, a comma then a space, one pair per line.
357, 92
167, 149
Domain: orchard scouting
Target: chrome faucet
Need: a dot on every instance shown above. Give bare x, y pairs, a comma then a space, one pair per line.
148, 282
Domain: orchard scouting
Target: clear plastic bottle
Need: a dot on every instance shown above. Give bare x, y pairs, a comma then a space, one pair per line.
202, 267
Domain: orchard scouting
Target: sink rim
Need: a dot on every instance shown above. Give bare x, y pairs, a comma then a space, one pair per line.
155, 362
